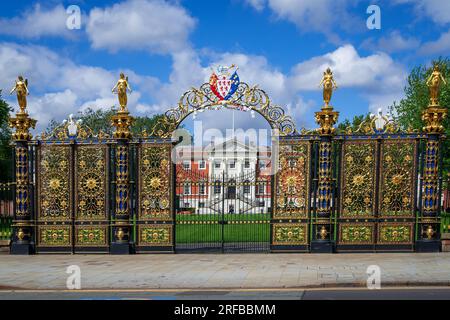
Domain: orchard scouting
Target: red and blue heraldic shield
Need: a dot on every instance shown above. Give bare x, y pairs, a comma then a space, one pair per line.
223, 86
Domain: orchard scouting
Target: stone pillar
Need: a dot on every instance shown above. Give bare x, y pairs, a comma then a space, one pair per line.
23, 226
429, 221
322, 222
121, 225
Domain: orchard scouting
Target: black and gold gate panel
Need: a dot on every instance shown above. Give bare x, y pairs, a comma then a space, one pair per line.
55, 202
91, 198
396, 204
290, 228
155, 214
358, 192
377, 194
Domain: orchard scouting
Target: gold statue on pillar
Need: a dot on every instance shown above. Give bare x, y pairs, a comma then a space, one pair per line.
121, 88
328, 85
434, 83
21, 89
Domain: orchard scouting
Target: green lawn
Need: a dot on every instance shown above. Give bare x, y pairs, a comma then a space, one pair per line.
239, 228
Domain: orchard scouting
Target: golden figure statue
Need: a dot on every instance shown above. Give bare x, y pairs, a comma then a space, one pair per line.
21, 89
434, 83
328, 84
121, 89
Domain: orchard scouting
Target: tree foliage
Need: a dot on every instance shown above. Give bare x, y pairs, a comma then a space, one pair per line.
353, 124
100, 120
408, 111
5, 139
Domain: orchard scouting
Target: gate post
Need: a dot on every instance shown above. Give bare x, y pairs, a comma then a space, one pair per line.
322, 225
121, 233
23, 224
429, 221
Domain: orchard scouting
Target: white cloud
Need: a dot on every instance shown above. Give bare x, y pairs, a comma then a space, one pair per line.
258, 5
394, 42
37, 22
52, 106
439, 46
437, 10
154, 25
59, 87
377, 76
323, 16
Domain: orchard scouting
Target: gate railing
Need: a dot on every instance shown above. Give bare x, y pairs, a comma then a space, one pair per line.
6, 211
375, 188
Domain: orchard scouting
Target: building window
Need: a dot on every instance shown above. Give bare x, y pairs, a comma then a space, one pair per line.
247, 164
186, 165
246, 186
186, 205
233, 164
187, 189
202, 164
261, 204
217, 187
217, 165
201, 204
202, 189
261, 188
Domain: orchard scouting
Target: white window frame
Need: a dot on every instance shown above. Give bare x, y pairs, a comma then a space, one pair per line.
246, 187
216, 187
188, 163
200, 189
204, 165
263, 186
188, 186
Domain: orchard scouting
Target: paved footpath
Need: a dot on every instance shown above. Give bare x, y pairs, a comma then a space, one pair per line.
209, 271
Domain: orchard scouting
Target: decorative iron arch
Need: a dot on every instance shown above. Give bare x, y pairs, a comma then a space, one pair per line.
245, 98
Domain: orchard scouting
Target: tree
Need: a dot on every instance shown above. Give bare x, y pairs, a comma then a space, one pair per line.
408, 112
5, 139
354, 124
100, 120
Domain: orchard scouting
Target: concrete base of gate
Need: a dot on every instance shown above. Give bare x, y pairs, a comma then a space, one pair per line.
21, 248
319, 246
120, 248
428, 246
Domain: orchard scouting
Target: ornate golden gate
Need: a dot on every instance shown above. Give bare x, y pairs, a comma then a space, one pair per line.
372, 189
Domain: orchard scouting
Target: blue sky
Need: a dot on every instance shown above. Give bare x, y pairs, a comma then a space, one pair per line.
166, 47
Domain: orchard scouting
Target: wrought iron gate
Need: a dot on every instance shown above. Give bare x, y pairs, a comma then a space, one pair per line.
372, 188
222, 212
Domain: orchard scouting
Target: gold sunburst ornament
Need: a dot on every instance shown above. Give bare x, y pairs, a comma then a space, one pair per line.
55, 184
155, 183
396, 179
91, 184
291, 181
358, 180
